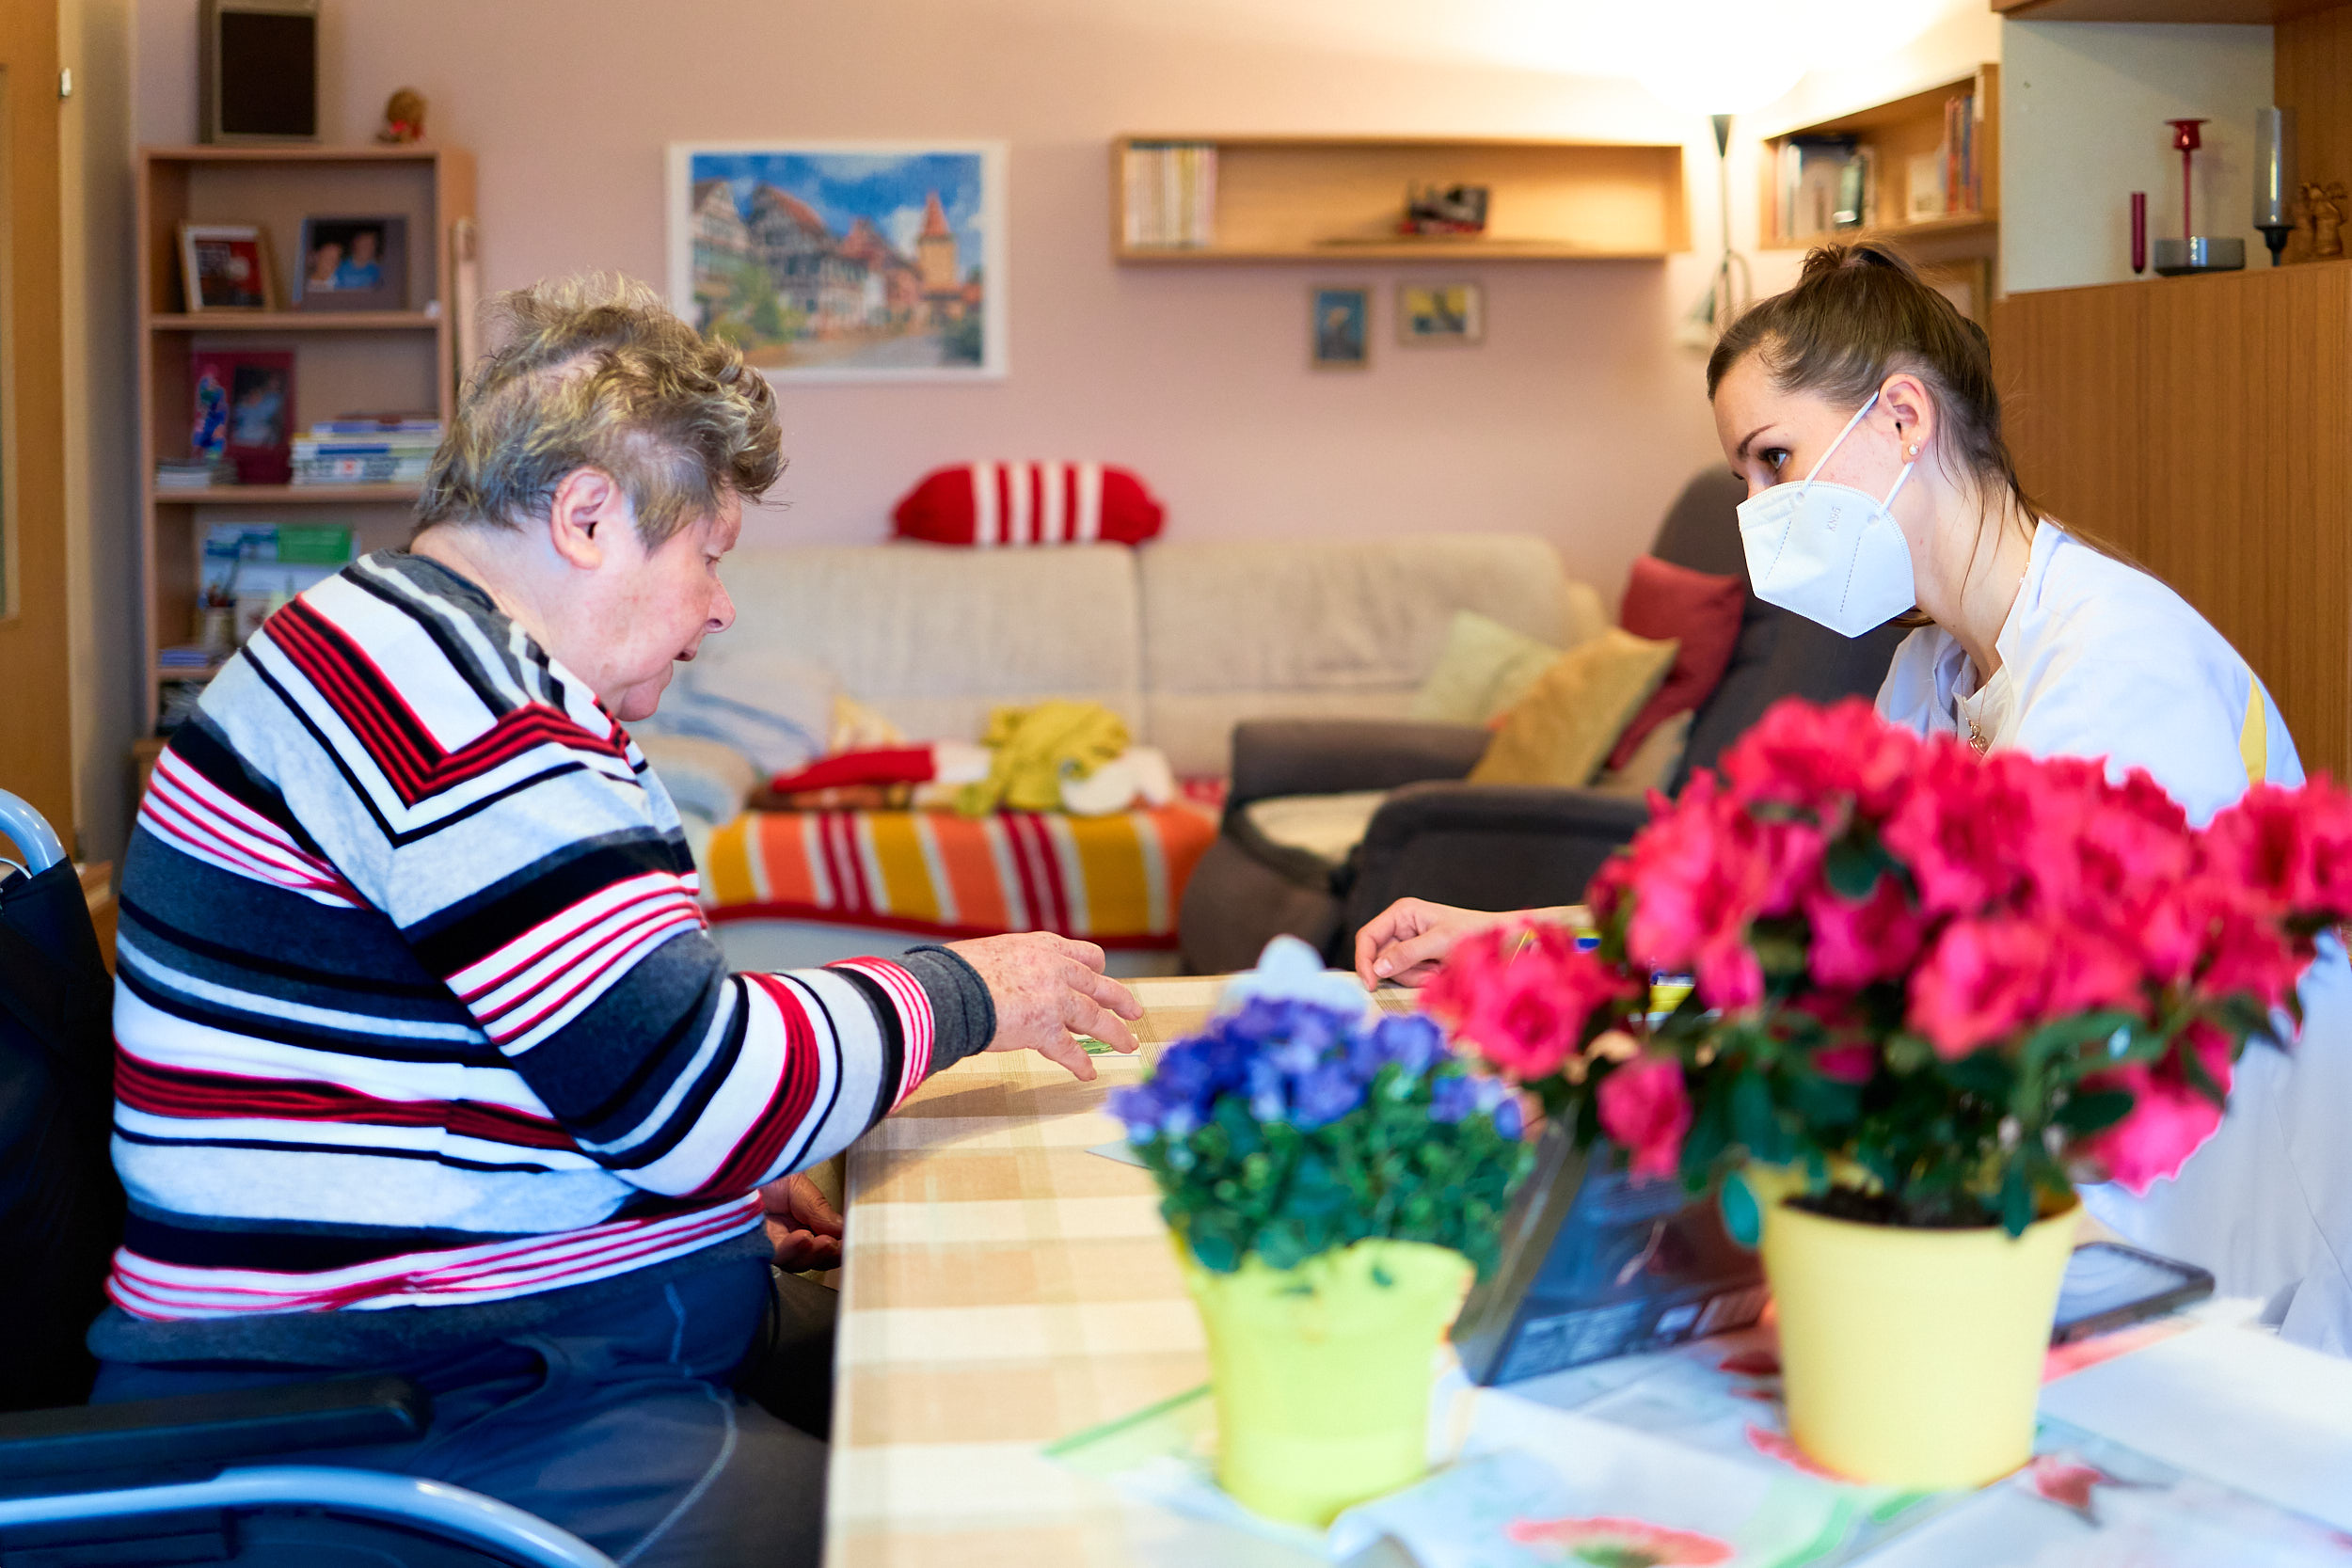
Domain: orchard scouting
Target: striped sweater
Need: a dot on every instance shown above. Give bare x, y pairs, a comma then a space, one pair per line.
416, 1006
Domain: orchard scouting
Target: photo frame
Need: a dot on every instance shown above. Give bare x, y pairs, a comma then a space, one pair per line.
1338, 328
242, 409
353, 264
225, 267
1440, 313
845, 260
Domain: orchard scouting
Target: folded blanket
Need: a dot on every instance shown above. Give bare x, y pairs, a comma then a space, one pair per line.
1117, 879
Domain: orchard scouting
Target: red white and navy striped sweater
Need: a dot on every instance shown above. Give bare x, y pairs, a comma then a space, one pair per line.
416, 1006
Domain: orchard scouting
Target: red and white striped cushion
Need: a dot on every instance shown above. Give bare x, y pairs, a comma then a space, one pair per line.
988, 505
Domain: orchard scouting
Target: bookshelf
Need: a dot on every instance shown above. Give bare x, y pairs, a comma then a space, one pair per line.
1896, 132
404, 360
1336, 199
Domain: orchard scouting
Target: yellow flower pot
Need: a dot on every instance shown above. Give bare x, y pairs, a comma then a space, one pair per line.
1321, 1373
1913, 1358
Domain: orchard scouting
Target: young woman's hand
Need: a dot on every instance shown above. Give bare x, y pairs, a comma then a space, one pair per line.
1404, 944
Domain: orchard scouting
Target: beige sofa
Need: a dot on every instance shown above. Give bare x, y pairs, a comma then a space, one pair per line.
1185, 639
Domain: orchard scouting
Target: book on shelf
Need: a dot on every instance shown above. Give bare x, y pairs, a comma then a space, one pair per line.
1959, 153
1168, 191
366, 450
1826, 184
194, 473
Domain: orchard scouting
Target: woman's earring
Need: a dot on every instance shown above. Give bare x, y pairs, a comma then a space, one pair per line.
1914, 452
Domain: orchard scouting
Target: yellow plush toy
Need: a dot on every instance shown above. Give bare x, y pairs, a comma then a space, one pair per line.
1033, 747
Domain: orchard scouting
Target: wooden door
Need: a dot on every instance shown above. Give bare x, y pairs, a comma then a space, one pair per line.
36, 738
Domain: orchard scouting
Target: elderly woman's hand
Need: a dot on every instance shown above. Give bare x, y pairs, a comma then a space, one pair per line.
1048, 990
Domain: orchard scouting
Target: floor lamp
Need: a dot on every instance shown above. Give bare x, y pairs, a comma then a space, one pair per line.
1729, 291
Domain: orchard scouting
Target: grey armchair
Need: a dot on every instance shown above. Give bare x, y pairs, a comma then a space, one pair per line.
1481, 846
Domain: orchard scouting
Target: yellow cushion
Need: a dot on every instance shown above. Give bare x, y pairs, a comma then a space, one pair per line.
1564, 728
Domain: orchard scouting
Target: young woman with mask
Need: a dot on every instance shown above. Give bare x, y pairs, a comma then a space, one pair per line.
1860, 408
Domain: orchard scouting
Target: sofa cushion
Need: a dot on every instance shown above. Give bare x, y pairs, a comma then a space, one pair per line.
1563, 729
1700, 612
932, 638
1484, 669
1326, 629
1652, 765
988, 505
1327, 827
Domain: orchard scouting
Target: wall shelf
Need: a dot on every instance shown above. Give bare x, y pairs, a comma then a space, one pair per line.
287, 495
2262, 12
296, 321
1896, 131
1335, 200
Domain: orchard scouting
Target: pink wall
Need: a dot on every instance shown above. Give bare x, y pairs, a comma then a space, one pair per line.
1576, 420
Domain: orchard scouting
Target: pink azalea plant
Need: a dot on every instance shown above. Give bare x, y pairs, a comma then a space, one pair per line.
1944, 985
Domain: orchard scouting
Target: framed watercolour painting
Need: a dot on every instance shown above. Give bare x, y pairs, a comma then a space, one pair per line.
1340, 329
844, 260
1440, 312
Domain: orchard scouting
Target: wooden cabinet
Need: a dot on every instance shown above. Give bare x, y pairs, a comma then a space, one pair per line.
344, 362
2204, 426
1337, 199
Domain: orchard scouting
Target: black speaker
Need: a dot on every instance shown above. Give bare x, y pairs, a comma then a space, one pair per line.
259, 71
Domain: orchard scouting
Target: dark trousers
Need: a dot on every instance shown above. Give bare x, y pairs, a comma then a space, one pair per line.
642, 1426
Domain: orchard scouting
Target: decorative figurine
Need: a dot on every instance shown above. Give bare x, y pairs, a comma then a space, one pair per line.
403, 117
2324, 205
1448, 210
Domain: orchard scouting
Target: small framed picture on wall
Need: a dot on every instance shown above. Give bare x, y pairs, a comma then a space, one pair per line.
224, 266
1440, 312
355, 263
1339, 335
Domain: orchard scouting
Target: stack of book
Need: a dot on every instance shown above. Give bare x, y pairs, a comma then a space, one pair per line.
366, 450
194, 473
1170, 194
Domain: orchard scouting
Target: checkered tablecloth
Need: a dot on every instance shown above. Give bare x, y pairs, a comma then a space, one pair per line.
1002, 1288
1005, 1290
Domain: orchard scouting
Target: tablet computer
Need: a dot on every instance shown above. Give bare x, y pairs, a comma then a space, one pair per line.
1597, 1264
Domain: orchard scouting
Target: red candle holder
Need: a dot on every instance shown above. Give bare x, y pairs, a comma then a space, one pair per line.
2185, 141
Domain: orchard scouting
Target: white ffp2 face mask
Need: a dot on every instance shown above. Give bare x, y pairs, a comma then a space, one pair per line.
1828, 552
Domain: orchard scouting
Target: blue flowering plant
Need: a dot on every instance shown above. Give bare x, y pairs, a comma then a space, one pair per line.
1292, 1126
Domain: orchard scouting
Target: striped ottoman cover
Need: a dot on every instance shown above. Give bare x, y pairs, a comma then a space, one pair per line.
1117, 879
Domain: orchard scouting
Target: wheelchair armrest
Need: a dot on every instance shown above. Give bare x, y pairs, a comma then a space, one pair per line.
210, 1430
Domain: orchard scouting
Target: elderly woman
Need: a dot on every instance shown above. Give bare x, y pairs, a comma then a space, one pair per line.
428, 1064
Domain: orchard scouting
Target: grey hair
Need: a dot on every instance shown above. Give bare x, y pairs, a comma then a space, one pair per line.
595, 373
